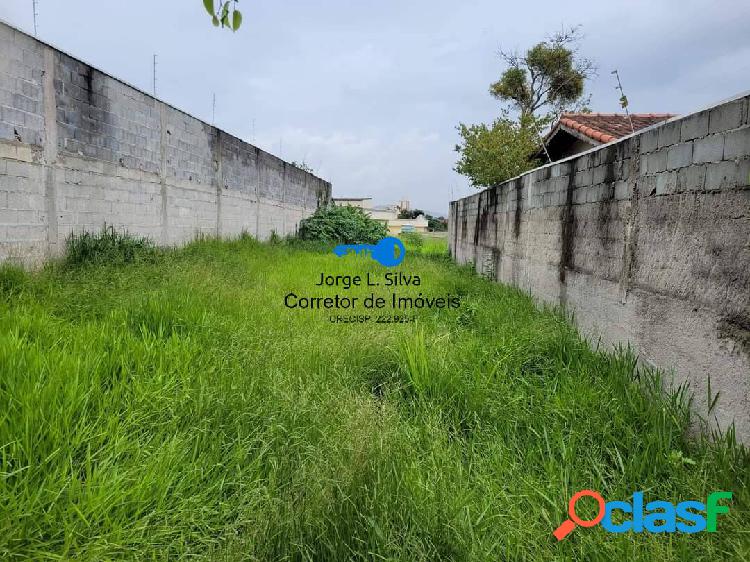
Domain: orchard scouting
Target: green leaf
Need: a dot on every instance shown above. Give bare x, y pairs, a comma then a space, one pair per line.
215, 21
236, 20
225, 15
209, 5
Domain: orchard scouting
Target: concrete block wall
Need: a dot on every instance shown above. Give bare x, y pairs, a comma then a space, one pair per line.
79, 148
646, 241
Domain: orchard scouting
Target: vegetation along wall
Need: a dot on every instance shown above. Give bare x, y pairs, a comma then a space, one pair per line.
646, 241
79, 148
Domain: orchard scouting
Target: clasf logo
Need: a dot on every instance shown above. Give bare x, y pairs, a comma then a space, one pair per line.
657, 517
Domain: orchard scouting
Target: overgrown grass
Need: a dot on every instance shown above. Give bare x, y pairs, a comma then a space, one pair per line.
431, 245
110, 246
12, 279
177, 409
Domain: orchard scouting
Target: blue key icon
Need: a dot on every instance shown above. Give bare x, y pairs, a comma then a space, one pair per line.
389, 251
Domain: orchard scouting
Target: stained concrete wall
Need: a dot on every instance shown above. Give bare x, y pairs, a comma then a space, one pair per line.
645, 240
79, 148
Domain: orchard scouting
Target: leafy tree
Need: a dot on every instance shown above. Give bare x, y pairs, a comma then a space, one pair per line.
346, 225
410, 214
538, 86
492, 154
224, 13
437, 224
434, 224
551, 75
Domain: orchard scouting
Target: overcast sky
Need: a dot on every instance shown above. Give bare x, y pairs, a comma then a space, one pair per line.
369, 93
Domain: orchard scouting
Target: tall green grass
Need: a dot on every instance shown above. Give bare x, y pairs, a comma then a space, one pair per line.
432, 245
173, 408
109, 246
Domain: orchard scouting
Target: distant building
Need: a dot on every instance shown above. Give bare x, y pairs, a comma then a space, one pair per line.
361, 202
387, 214
397, 226
579, 132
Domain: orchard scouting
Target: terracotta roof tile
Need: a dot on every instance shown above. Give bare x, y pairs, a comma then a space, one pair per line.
606, 127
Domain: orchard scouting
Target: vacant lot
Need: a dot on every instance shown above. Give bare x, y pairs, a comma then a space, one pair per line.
175, 408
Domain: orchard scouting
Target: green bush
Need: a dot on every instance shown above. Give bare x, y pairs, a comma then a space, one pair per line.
107, 247
346, 225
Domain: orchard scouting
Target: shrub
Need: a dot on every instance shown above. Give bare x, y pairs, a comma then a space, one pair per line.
346, 225
107, 247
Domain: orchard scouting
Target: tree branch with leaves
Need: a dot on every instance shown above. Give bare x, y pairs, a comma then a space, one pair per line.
551, 75
224, 13
492, 154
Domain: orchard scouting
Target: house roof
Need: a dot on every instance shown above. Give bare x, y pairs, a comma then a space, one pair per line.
605, 127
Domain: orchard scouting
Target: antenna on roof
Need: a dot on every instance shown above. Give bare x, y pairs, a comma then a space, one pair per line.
154, 74
544, 145
36, 13
623, 99
213, 112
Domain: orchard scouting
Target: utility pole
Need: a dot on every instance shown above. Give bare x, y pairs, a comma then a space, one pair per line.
623, 99
154, 74
35, 15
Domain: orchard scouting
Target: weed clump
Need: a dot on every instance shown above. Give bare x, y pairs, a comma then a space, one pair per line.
12, 279
412, 240
108, 247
